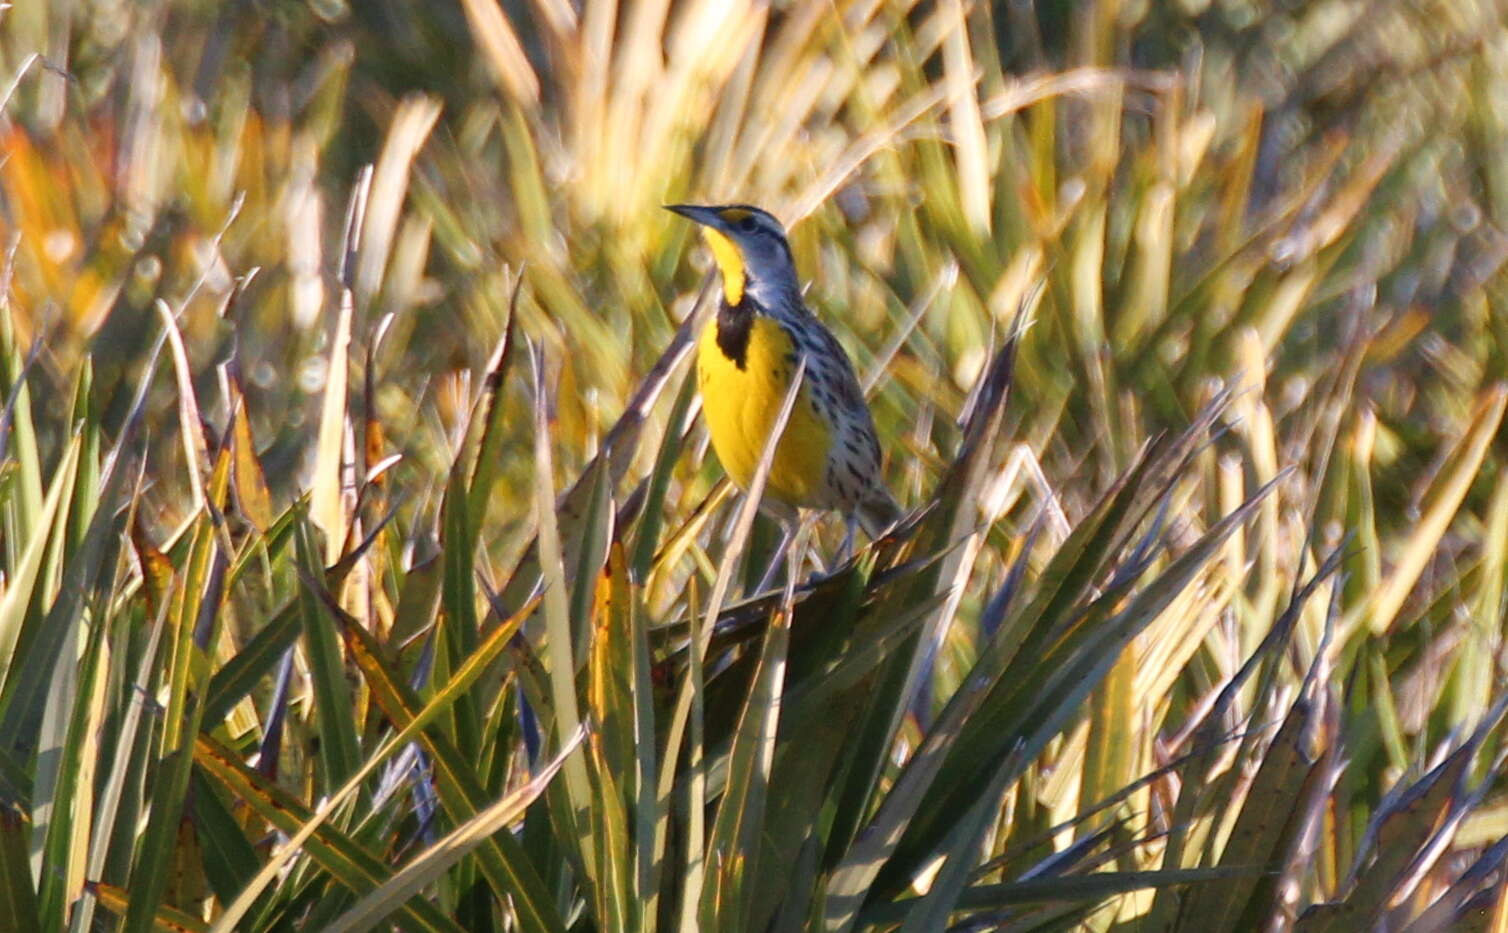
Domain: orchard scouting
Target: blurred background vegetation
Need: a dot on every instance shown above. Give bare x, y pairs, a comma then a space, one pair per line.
336, 334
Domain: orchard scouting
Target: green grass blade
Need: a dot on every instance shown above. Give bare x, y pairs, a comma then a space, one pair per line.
533, 914
613, 761
1276, 807
1032, 705
18, 896
64, 790
1092, 888
235, 679
353, 866
21, 438
200, 591
739, 829
457, 781
339, 746
464, 838
21, 596
647, 533
558, 653
959, 849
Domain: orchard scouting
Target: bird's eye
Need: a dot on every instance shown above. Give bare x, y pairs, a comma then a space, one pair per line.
747, 225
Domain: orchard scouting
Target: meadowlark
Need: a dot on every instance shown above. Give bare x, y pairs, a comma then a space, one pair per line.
828, 456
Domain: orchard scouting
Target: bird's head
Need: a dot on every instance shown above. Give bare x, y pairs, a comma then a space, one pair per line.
749, 247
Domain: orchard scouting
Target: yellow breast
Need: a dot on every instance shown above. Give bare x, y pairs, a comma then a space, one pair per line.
741, 406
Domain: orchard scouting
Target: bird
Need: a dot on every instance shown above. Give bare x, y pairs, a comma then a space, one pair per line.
828, 457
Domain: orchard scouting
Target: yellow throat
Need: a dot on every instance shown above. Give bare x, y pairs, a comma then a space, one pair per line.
730, 262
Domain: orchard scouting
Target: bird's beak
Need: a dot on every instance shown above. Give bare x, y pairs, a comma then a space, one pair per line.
725, 252
706, 216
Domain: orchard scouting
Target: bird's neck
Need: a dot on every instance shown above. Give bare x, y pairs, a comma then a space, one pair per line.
773, 291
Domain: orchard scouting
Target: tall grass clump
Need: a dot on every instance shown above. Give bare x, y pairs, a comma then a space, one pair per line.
362, 563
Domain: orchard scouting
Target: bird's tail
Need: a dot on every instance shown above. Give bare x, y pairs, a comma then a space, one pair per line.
877, 512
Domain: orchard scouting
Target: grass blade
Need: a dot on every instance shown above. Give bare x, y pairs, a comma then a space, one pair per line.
436, 859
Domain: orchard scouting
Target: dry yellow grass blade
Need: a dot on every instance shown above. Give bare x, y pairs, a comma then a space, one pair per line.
194, 452
1254, 422
1442, 502
248, 481
1230, 486
1287, 299
499, 43
415, 117
1168, 644
327, 498
167, 920
966, 124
